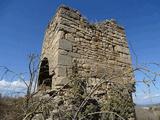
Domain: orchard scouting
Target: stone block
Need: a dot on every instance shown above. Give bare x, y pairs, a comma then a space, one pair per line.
74, 55
60, 81
61, 71
66, 28
64, 60
65, 45
62, 52
69, 36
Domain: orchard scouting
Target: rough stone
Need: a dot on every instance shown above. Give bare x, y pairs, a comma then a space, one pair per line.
72, 44
64, 60
65, 44
60, 71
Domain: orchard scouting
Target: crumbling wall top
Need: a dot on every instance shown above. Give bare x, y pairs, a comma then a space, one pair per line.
74, 13
70, 9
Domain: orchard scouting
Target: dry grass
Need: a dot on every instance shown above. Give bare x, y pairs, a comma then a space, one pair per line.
10, 108
148, 114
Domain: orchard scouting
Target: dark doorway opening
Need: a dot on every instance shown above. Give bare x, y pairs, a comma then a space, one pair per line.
44, 80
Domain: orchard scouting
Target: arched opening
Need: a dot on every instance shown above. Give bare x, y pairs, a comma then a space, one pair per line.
44, 80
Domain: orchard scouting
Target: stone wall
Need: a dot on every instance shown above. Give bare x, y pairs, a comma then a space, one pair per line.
71, 39
72, 45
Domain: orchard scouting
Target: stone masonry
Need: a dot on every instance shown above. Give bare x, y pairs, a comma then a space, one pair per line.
72, 45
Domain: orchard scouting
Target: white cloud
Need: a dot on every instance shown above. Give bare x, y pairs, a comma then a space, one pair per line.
12, 87
151, 96
146, 98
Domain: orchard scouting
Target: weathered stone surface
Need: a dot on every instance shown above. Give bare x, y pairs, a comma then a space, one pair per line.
69, 37
61, 71
74, 55
60, 81
62, 52
73, 45
65, 45
64, 60
66, 28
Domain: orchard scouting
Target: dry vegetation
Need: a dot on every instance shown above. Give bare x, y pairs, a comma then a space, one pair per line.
153, 113
11, 108
74, 103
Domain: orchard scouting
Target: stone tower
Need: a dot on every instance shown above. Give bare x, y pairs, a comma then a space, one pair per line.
72, 45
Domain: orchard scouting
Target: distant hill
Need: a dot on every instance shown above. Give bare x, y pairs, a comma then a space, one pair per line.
148, 105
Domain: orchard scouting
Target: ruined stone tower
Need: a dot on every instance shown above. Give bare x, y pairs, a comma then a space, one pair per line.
72, 45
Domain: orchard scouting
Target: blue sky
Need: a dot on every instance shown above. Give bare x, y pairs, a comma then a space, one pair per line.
23, 23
